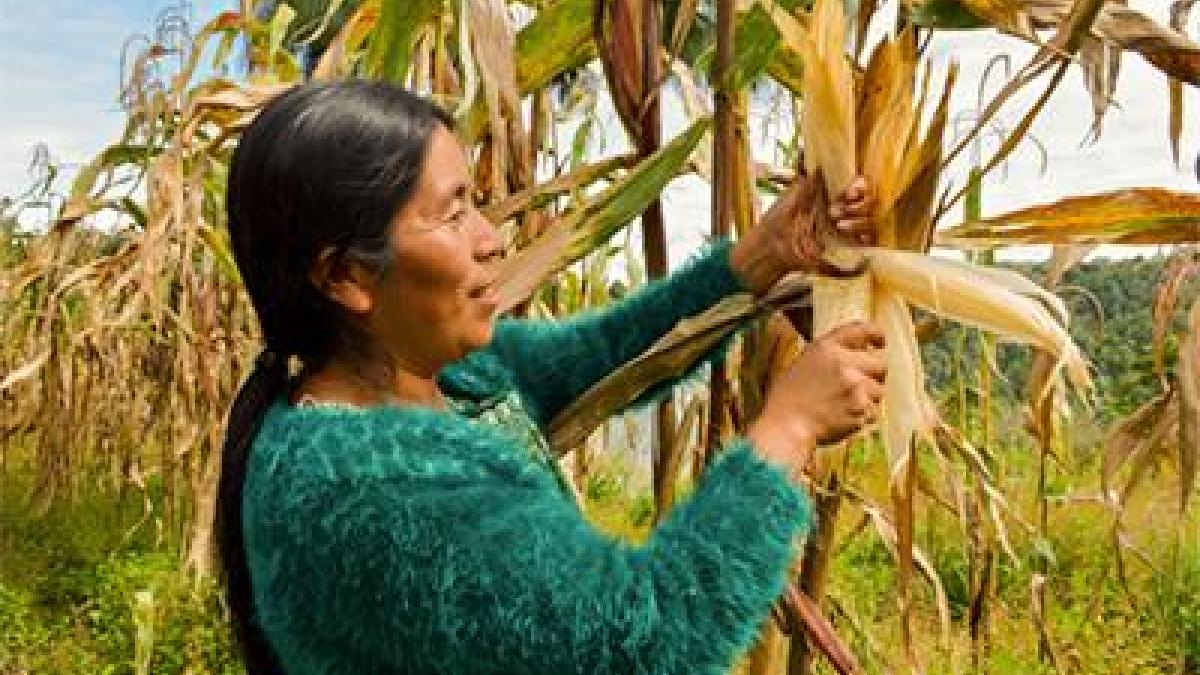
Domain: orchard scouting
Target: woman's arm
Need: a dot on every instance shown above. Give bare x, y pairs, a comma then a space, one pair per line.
553, 362
462, 558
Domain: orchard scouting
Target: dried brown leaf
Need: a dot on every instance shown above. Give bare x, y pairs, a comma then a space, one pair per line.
1181, 267
892, 538
821, 631
337, 58
543, 193
1167, 49
1133, 435
1187, 372
1151, 216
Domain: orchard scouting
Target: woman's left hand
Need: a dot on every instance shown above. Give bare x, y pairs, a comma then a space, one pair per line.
787, 240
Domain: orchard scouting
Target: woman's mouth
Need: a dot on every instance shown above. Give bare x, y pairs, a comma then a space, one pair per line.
485, 293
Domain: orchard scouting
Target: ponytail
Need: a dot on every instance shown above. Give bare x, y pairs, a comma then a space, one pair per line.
266, 381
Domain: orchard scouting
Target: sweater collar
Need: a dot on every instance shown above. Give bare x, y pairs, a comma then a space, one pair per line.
477, 377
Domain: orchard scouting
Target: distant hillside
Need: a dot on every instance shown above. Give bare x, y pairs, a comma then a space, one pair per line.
1118, 346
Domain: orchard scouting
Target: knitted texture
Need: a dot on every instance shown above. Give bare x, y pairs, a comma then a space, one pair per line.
402, 539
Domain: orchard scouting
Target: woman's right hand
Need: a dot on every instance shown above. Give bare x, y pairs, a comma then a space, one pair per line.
830, 391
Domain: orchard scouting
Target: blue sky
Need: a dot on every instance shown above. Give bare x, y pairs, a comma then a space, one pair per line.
59, 79
59, 62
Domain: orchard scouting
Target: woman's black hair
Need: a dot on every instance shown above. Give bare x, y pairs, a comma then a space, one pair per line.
324, 166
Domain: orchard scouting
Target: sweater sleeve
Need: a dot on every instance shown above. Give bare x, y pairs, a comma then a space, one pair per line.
457, 565
553, 362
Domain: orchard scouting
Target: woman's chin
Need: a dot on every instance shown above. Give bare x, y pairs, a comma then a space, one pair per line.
481, 337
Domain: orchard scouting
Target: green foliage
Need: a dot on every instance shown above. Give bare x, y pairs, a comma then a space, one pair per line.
391, 47
70, 581
1119, 345
1176, 606
135, 609
180, 621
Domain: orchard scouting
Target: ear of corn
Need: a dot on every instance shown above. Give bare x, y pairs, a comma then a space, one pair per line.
876, 129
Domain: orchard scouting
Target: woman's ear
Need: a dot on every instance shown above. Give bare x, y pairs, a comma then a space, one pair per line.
342, 281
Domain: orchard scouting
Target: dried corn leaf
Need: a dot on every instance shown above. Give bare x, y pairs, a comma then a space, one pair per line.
337, 60
670, 357
1049, 58
1187, 371
1131, 436
558, 39
1151, 216
888, 533
573, 235
24, 372
1167, 49
81, 201
828, 124
1157, 442
492, 46
544, 193
1181, 267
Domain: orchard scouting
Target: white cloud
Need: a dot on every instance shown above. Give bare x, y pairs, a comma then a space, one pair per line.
59, 76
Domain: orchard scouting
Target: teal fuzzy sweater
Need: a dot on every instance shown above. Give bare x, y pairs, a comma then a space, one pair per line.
403, 539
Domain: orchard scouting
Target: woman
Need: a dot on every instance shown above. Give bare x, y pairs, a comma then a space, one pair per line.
392, 508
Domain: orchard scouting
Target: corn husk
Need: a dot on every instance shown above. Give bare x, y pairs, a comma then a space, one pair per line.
875, 126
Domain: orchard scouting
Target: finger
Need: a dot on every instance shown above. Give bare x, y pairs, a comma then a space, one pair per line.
866, 401
858, 335
870, 362
856, 208
856, 189
860, 232
856, 227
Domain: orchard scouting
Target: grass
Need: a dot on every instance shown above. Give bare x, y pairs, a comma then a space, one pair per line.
1096, 624
91, 587
77, 584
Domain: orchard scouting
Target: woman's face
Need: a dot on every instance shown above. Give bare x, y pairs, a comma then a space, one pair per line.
438, 301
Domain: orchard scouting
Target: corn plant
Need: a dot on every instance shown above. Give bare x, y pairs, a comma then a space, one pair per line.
124, 348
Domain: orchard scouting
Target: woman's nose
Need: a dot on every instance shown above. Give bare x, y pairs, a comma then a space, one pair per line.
488, 243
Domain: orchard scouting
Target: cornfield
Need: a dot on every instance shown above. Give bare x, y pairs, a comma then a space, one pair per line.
122, 346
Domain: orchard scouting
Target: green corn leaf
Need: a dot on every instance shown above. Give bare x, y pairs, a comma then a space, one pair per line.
945, 15
559, 39
390, 51
582, 230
